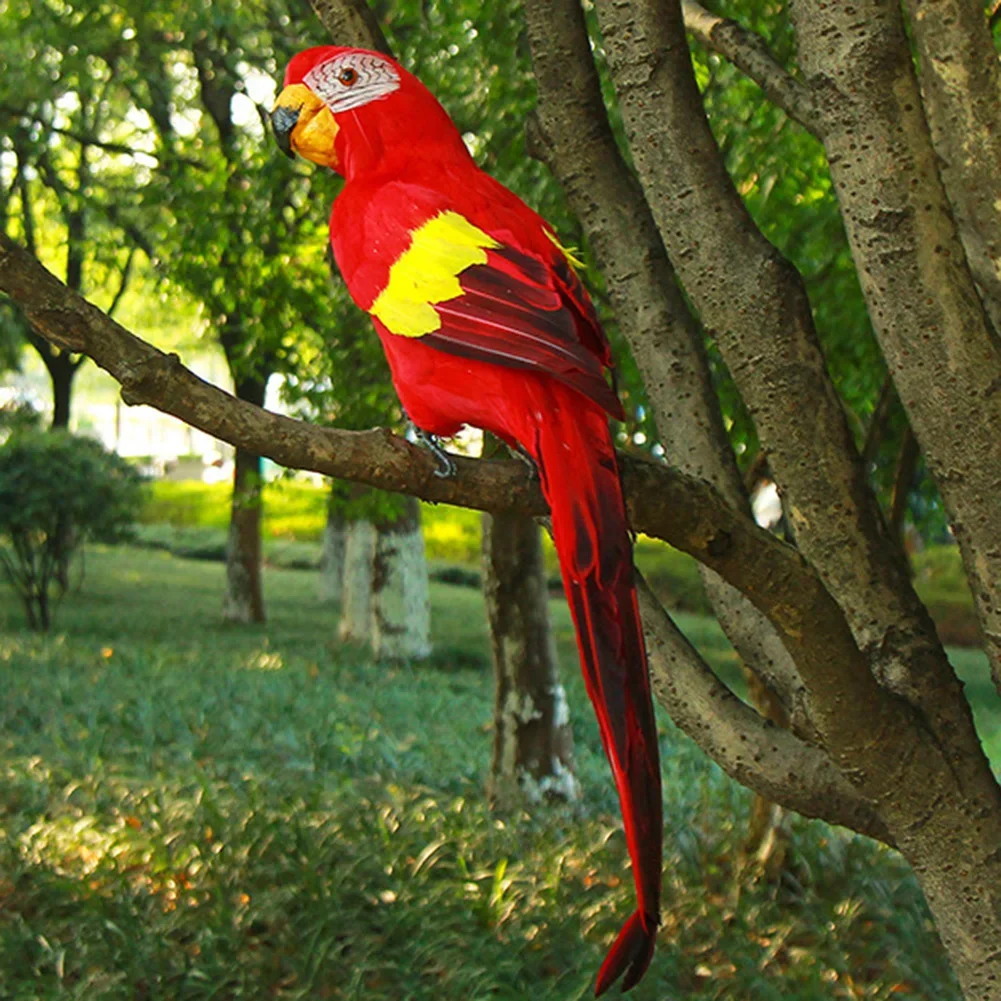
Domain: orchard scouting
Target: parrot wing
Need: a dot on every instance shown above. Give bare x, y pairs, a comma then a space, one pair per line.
479, 294
512, 312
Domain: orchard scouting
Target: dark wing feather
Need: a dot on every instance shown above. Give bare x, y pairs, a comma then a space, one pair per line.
510, 314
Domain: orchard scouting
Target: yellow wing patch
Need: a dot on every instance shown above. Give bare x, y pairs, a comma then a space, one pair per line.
427, 272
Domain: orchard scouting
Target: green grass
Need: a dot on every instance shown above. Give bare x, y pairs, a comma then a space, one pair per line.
191, 518
195, 811
295, 511
975, 673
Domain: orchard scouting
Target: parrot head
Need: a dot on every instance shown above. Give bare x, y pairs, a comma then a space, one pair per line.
353, 110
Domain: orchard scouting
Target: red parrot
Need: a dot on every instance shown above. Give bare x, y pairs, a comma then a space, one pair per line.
485, 322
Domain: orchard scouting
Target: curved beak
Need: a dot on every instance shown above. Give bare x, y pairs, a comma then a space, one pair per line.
283, 121
303, 124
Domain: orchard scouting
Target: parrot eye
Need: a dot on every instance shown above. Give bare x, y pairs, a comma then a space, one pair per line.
351, 80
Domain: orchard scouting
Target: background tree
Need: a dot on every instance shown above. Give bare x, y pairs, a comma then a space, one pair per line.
59, 105
207, 214
533, 738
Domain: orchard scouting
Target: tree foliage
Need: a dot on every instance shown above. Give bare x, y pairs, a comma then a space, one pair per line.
57, 492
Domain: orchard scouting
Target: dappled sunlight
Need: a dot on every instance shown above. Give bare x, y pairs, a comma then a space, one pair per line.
263, 810
265, 660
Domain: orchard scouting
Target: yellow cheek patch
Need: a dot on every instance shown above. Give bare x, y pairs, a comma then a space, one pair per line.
427, 272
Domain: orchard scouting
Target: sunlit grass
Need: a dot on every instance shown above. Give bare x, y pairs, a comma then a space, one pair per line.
193, 810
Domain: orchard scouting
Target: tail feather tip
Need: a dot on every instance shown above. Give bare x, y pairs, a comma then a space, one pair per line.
631, 954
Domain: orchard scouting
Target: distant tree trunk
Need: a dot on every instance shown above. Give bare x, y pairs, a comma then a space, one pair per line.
533, 738
401, 600
331, 583
356, 600
62, 368
244, 599
766, 844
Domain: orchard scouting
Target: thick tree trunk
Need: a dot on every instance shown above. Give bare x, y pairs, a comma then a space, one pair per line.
401, 599
904, 238
359, 563
533, 738
244, 599
331, 583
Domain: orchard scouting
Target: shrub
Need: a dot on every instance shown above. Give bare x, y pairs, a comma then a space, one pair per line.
58, 490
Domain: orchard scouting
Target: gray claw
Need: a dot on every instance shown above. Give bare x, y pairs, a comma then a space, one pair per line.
447, 469
523, 454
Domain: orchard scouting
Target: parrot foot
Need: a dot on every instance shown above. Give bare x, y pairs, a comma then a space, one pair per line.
520, 452
447, 468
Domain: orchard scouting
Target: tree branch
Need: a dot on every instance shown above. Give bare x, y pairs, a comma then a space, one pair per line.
756, 305
123, 283
351, 22
750, 749
575, 139
750, 54
877, 423
85, 139
903, 477
662, 502
904, 237
960, 88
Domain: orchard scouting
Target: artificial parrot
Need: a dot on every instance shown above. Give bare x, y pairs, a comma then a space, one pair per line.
484, 322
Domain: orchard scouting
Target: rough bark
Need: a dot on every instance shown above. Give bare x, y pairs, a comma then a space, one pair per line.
359, 563
533, 738
755, 304
747, 747
914, 275
749, 53
922, 301
574, 137
351, 22
330, 585
401, 598
960, 80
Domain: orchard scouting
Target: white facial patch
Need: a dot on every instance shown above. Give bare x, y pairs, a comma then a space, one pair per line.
352, 79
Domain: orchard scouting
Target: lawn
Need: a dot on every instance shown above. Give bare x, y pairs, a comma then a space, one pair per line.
195, 811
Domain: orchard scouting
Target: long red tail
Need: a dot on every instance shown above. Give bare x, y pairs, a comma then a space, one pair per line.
576, 459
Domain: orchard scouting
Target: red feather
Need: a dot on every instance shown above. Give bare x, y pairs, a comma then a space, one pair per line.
518, 351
